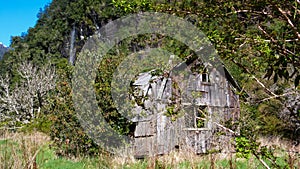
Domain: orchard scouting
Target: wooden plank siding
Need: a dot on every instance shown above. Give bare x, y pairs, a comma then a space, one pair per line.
211, 94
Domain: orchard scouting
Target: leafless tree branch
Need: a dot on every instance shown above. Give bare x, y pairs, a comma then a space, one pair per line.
289, 21
23, 102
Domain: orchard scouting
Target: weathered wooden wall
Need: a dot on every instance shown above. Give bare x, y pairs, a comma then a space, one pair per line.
209, 94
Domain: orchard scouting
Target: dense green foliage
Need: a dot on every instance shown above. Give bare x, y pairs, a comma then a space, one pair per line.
257, 40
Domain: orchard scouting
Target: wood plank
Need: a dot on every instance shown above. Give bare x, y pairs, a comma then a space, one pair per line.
144, 146
144, 129
196, 129
143, 79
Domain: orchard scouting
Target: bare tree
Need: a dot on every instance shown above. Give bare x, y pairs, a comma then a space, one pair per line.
24, 101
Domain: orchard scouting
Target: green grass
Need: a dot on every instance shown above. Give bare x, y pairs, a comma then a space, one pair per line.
17, 153
47, 159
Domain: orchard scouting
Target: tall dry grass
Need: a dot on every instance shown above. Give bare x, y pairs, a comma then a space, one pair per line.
278, 142
285, 150
19, 150
283, 147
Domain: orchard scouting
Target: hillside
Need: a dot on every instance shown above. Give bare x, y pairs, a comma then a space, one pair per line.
3, 49
257, 41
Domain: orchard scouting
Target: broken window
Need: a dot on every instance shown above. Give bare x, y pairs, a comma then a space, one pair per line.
196, 117
205, 77
201, 117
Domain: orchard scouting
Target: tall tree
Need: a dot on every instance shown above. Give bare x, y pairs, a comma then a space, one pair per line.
23, 102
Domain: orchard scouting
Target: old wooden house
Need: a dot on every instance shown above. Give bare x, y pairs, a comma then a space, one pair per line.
183, 110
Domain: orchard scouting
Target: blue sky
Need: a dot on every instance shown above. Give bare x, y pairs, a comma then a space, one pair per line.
16, 16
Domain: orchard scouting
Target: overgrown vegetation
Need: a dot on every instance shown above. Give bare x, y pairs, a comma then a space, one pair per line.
32, 151
258, 42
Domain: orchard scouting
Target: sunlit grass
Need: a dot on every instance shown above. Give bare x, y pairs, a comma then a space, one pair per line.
19, 150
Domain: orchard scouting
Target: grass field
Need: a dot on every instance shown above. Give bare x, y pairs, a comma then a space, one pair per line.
19, 150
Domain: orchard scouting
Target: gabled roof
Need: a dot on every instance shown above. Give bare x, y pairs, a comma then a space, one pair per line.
234, 83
